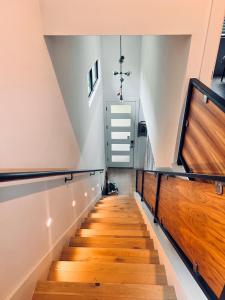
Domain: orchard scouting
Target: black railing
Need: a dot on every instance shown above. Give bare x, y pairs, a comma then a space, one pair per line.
140, 189
12, 176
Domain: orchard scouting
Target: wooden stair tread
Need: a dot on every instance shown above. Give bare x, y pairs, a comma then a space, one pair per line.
114, 210
116, 207
112, 242
112, 232
106, 272
117, 198
115, 202
110, 255
110, 214
93, 225
122, 203
107, 291
118, 220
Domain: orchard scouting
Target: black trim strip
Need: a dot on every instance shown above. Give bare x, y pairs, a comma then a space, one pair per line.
157, 198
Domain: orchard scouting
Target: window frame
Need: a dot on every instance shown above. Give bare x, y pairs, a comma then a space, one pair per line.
90, 83
93, 76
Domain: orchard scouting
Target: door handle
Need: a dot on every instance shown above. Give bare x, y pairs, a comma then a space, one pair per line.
132, 144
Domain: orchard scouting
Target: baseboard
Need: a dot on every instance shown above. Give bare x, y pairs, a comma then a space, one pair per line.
177, 273
26, 287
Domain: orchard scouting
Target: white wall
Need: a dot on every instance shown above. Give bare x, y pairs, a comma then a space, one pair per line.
72, 58
131, 48
37, 133
201, 19
28, 246
163, 66
33, 118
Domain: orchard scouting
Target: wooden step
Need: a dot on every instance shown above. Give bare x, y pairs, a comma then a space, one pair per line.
119, 220
52, 290
112, 242
112, 226
117, 198
112, 232
121, 255
106, 272
115, 202
117, 205
110, 214
111, 209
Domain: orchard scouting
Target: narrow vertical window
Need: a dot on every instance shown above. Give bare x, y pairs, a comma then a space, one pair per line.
95, 72
92, 77
90, 83
96, 69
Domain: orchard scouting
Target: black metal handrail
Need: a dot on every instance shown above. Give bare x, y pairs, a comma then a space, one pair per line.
12, 176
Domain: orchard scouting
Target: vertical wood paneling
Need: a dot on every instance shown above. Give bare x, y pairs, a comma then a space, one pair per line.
194, 215
150, 181
204, 142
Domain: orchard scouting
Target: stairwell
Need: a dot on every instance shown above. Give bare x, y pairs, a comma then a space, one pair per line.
110, 257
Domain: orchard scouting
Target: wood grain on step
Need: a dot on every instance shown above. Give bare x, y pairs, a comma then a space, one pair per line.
112, 232
92, 225
71, 271
106, 291
118, 220
110, 214
112, 242
119, 255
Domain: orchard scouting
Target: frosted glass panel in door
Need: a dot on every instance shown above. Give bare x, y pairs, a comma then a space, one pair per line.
120, 147
120, 135
121, 158
120, 122
120, 109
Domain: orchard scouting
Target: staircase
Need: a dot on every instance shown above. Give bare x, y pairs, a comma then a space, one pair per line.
111, 257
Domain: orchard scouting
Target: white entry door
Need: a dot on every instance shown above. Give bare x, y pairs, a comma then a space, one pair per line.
120, 120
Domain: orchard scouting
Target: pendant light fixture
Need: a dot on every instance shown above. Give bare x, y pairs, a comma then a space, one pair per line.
120, 72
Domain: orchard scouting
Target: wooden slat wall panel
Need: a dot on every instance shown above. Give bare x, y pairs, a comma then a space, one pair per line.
139, 182
150, 181
195, 217
204, 142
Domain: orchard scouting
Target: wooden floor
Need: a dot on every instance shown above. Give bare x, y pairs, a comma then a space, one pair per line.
111, 257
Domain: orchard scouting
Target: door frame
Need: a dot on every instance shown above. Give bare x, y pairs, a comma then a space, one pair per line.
134, 103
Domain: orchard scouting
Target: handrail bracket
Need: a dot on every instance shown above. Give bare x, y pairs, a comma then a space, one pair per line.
219, 187
69, 179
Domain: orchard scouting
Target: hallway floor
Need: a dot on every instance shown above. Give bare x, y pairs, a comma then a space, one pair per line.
111, 257
124, 180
